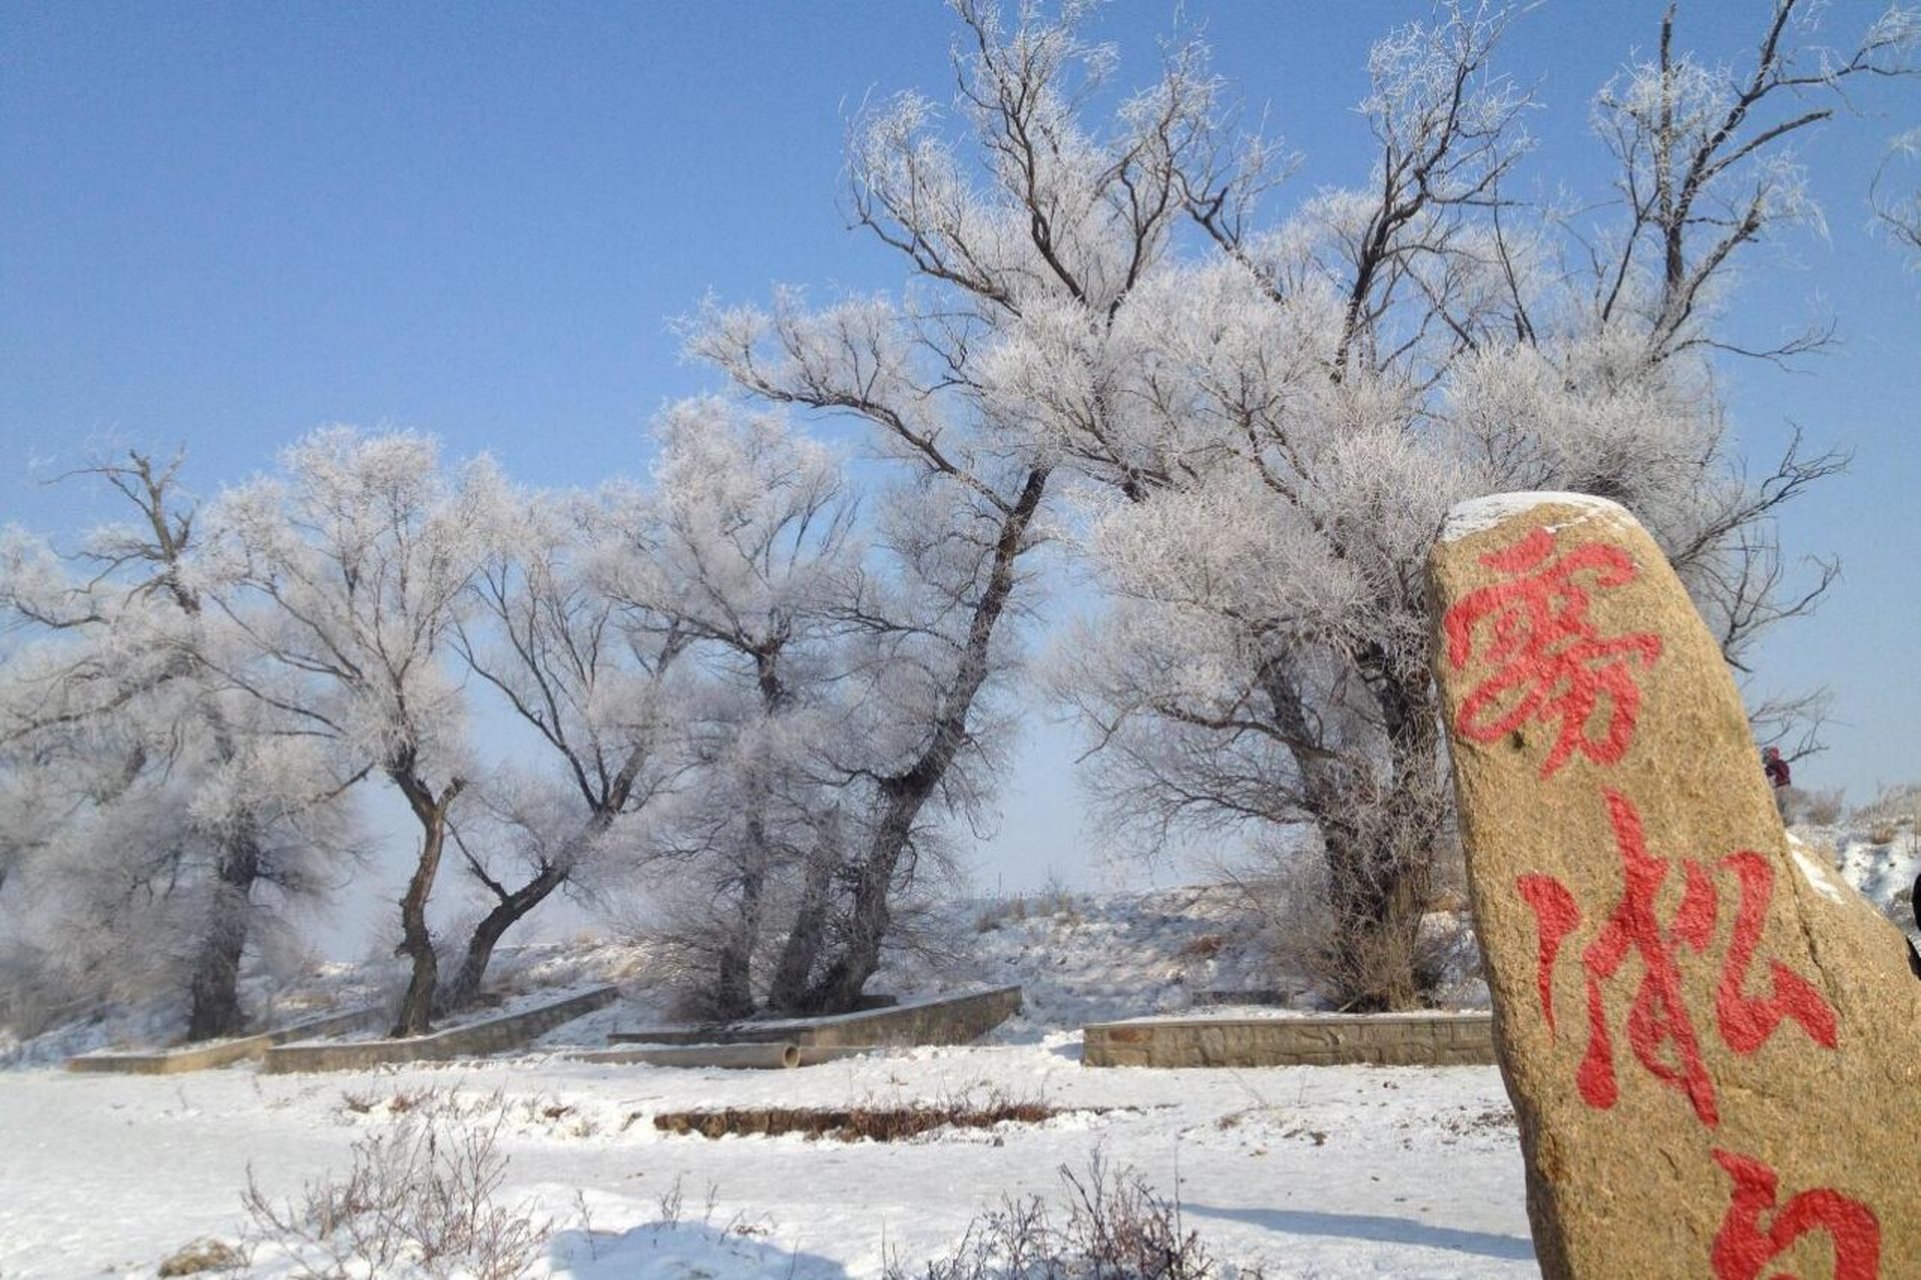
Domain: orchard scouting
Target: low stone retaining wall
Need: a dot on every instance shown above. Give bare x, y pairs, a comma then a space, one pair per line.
743, 1055
495, 1035
943, 1020
222, 1053
1387, 1039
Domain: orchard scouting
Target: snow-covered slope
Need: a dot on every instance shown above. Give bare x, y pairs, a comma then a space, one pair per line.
1879, 858
1082, 957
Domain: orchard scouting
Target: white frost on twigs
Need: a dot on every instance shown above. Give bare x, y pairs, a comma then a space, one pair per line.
1478, 514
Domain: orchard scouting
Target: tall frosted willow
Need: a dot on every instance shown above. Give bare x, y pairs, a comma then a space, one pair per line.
1282, 424
154, 815
1023, 229
347, 578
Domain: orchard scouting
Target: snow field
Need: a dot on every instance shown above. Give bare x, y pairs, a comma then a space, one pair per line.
1306, 1172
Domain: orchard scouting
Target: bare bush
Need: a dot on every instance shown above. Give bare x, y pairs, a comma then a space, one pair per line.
1117, 1227
1293, 897
1816, 808
32, 998
416, 1196
1892, 806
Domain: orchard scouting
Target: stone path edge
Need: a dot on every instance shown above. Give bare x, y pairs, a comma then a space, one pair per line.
495, 1035
956, 1019
222, 1053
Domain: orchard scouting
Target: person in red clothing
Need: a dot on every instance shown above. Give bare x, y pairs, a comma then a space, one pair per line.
1777, 770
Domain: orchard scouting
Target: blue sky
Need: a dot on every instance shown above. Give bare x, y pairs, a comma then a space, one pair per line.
224, 225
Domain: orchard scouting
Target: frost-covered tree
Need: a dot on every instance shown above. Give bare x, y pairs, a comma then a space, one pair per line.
1297, 413
726, 569
594, 679
154, 810
347, 579
1026, 233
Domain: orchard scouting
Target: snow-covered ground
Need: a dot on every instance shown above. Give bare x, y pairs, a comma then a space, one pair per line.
1307, 1172
1302, 1172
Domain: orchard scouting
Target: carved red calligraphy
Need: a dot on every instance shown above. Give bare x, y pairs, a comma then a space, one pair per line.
1660, 1029
1743, 1248
1550, 663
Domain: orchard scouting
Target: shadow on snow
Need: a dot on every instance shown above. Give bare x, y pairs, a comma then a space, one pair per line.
1368, 1226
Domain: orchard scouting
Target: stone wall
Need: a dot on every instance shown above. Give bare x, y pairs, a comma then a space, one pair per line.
1397, 1039
943, 1020
222, 1053
495, 1035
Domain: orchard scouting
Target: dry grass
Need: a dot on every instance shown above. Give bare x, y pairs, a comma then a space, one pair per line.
853, 1124
201, 1257
1893, 808
418, 1196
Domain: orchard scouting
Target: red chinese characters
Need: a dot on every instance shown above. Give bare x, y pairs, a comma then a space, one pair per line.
1743, 1248
1550, 662
1660, 1028
1539, 657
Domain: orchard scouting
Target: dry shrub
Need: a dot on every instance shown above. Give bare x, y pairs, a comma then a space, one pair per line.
201, 1257
33, 999
1205, 947
996, 914
1891, 808
1116, 1228
416, 1196
1353, 967
1816, 808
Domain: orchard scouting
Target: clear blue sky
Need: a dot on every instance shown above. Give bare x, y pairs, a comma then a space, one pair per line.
227, 224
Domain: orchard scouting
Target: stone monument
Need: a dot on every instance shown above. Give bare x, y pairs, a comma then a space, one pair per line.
1713, 1044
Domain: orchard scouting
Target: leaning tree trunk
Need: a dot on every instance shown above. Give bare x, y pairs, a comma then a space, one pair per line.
903, 795
509, 910
870, 914
512, 906
214, 987
416, 943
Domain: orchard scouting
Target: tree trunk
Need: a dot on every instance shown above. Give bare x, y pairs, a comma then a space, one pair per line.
905, 794
808, 936
508, 911
1379, 839
417, 1007
215, 985
733, 994
734, 974
839, 988
1382, 842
